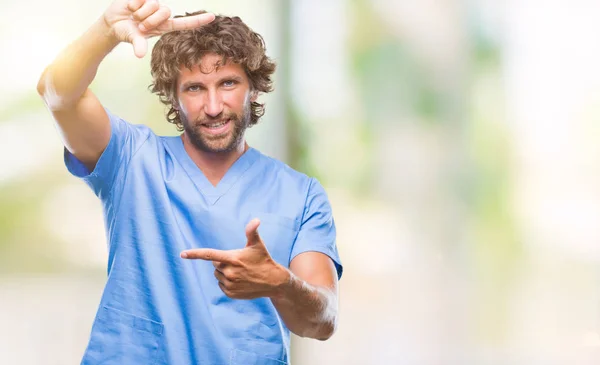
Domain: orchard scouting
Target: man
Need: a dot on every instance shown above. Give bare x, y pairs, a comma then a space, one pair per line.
191, 277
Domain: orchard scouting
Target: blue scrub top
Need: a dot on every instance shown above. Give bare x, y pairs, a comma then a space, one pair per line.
157, 308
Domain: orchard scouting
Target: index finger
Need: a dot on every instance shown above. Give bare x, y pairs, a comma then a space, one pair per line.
208, 254
187, 22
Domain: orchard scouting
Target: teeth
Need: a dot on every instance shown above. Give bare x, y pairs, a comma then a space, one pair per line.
216, 125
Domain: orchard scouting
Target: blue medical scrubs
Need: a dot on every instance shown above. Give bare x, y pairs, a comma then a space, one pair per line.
157, 308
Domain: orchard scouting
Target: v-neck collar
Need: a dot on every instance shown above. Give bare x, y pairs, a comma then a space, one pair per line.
212, 193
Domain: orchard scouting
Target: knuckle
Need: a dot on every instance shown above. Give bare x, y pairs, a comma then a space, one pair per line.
234, 277
230, 294
144, 12
133, 5
138, 15
148, 24
165, 11
228, 273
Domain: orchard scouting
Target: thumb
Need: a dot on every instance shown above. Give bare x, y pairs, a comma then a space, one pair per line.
252, 232
140, 45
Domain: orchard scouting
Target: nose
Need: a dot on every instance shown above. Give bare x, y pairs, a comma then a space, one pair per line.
214, 103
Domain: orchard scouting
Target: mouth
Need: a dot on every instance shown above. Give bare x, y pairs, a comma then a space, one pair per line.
216, 128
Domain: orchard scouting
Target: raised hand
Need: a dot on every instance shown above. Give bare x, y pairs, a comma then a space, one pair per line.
133, 21
246, 273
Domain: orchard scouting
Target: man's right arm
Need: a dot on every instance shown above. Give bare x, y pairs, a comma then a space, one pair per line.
81, 119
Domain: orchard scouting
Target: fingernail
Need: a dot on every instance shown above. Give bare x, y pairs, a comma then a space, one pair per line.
142, 28
184, 255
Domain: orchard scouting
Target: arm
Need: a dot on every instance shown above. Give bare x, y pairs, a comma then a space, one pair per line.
308, 299
309, 303
81, 119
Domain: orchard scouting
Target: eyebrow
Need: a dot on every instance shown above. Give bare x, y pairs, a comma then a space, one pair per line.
187, 84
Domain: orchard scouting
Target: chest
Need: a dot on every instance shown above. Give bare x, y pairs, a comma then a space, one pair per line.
188, 218
222, 225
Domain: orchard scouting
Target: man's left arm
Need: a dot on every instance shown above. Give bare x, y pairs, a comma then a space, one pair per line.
308, 300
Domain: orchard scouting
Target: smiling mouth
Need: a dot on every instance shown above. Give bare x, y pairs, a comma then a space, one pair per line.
215, 125
216, 128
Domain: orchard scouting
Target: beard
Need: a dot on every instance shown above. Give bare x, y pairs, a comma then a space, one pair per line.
225, 142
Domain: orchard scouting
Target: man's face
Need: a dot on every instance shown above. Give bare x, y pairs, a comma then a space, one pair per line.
214, 104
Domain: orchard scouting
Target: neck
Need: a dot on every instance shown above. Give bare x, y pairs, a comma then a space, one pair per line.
213, 165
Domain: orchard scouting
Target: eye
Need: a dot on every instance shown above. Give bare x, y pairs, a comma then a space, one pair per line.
193, 88
229, 83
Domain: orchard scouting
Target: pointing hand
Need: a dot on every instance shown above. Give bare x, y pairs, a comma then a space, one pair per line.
245, 273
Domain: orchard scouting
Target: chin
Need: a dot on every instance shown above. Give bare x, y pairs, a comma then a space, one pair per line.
220, 146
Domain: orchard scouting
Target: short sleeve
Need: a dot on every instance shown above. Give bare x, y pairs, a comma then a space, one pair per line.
317, 231
125, 140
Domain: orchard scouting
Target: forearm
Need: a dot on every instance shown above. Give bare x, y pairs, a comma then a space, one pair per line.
67, 78
307, 310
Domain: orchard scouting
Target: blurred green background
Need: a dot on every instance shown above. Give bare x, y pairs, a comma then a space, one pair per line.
459, 142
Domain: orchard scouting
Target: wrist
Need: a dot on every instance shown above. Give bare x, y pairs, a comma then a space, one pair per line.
283, 281
106, 32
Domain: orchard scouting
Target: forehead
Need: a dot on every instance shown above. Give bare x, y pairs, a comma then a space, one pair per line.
210, 69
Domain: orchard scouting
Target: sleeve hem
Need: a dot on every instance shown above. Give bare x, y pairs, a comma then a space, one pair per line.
324, 250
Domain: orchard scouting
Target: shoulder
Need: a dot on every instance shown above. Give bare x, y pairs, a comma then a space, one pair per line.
128, 131
284, 174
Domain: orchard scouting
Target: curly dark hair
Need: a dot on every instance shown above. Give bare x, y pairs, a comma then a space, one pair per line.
228, 37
